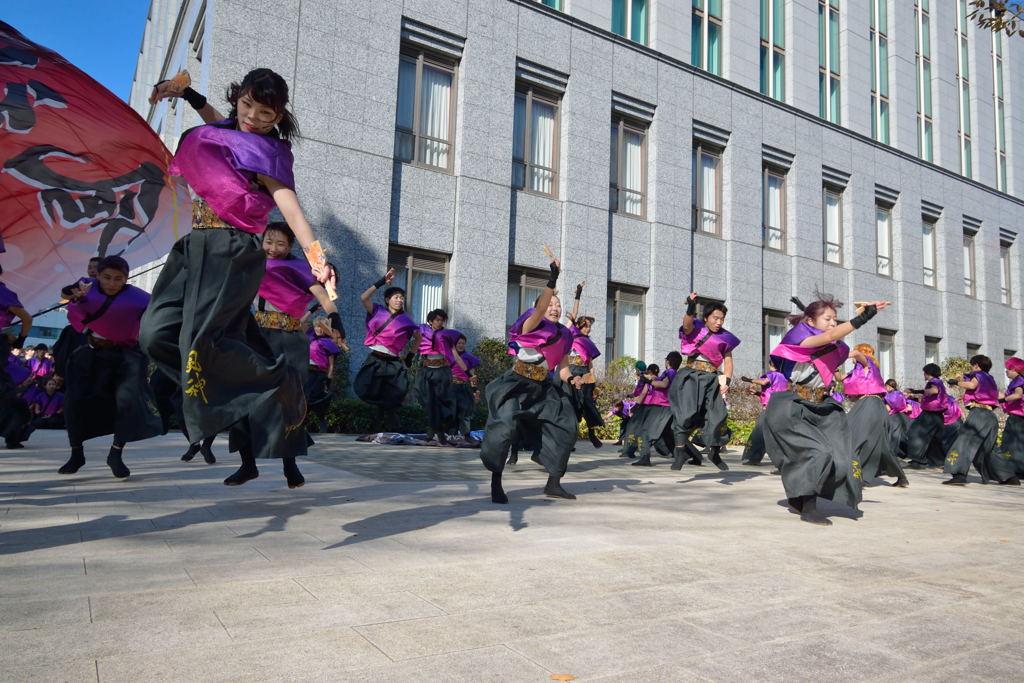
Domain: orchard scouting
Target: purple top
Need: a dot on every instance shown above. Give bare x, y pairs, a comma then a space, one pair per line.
552, 340
471, 362
864, 379
286, 284
320, 351
583, 346
638, 389
120, 322
896, 401
714, 349
826, 359
17, 371
219, 164
1014, 407
934, 403
952, 413
625, 410
987, 393
659, 397
439, 343
40, 367
915, 408
7, 299
48, 405
393, 335
778, 383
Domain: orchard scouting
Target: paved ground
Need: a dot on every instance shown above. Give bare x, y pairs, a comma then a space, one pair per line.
391, 565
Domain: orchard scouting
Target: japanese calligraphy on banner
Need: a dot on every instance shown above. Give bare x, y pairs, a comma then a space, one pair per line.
81, 175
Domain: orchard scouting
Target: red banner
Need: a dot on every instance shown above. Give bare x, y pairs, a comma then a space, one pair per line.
81, 175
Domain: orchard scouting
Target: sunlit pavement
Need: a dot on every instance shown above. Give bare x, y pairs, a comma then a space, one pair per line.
392, 564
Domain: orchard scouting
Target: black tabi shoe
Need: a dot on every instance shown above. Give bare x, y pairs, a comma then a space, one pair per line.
12, 445
208, 455
776, 471
513, 459
1012, 481
554, 489
902, 483
957, 480
292, 474
914, 465
247, 472
116, 464
643, 462
594, 441
75, 462
497, 493
190, 453
809, 513
717, 460
677, 462
796, 503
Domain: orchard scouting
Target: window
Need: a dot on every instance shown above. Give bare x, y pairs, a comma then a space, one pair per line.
773, 209
879, 71
624, 322
832, 221
883, 241
773, 49
1000, 110
706, 36
776, 324
423, 275
707, 190
887, 353
963, 82
828, 60
629, 19
923, 65
524, 286
425, 122
931, 350
1005, 274
969, 281
554, 4
1008, 354
535, 142
628, 169
928, 253
973, 350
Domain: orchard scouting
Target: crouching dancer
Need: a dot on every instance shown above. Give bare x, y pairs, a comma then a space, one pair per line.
528, 398
107, 388
805, 430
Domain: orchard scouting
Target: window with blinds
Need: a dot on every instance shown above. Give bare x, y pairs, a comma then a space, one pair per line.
624, 322
524, 286
424, 276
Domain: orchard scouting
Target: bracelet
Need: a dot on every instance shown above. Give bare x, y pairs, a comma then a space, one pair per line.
195, 100
381, 282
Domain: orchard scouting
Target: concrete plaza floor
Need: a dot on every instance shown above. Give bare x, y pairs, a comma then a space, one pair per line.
391, 564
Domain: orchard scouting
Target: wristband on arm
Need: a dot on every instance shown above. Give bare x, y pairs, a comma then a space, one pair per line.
195, 100
553, 278
691, 308
579, 292
868, 314
381, 282
336, 325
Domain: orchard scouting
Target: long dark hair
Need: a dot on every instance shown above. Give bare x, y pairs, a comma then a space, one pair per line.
821, 303
269, 89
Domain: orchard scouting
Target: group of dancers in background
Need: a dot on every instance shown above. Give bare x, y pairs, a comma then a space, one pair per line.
225, 327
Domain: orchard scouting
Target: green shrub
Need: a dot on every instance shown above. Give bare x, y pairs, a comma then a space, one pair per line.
495, 360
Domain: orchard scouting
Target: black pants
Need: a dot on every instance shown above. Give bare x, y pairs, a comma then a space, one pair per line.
434, 391
520, 405
382, 382
924, 430
869, 427
975, 444
811, 444
198, 329
697, 404
755, 451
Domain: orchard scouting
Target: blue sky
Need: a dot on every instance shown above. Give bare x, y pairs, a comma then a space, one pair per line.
100, 37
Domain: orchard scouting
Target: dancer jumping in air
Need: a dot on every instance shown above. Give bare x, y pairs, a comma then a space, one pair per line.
198, 327
805, 430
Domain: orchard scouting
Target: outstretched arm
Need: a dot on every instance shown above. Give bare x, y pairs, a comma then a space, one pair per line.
207, 112
533, 322
576, 304
691, 313
367, 296
840, 331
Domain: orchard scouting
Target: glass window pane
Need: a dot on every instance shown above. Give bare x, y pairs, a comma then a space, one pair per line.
715, 8
926, 36
614, 170
965, 71
710, 181
883, 15
406, 93
779, 77
427, 293
779, 22
927, 87
435, 101
714, 48
512, 311
822, 95
966, 113
765, 66
1001, 124
833, 29
627, 330
927, 141
883, 66
542, 149
822, 47
638, 23
697, 41
883, 122
999, 78
632, 176
834, 100
619, 17
764, 20
967, 158
519, 128
874, 69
